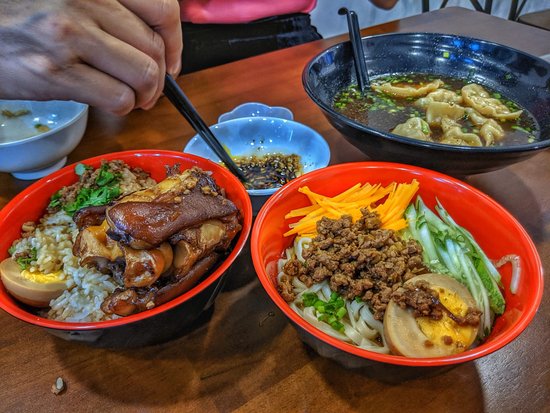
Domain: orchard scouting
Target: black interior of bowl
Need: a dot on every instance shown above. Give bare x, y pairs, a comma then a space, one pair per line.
520, 77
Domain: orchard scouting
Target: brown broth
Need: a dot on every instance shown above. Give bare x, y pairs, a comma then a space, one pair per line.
384, 112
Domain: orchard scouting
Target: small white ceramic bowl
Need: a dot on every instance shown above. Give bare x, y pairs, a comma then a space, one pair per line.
28, 154
248, 130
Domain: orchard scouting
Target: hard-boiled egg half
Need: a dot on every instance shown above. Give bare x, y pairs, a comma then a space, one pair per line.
32, 288
412, 336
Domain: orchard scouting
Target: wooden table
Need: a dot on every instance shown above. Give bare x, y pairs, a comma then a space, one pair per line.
248, 358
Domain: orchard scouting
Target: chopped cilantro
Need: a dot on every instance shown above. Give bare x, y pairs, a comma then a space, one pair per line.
92, 197
80, 168
24, 261
55, 200
105, 176
105, 188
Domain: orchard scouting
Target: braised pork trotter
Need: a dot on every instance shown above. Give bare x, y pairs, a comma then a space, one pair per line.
146, 218
158, 242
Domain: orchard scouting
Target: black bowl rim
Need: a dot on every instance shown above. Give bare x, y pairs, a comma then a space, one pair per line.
535, 146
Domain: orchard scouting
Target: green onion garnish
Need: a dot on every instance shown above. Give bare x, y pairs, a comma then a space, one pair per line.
330, 312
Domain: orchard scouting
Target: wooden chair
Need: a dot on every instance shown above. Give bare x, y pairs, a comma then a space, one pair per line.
540, 19
516, 7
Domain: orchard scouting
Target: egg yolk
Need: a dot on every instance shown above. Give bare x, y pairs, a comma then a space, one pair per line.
40, 278
446, 332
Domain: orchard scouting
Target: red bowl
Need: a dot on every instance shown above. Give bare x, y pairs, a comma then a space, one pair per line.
159, 323
497, 232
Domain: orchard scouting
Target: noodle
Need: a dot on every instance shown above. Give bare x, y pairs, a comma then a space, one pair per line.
359, 326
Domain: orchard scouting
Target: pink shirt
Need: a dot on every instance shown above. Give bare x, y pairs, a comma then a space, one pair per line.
240, 11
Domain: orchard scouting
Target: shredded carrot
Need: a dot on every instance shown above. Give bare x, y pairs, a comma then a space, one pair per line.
389, 202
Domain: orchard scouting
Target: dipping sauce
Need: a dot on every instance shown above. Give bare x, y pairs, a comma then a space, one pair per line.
269, 171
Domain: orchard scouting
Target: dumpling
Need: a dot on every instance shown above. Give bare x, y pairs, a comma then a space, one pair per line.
453, 134
475, 117
440, 95
491, 132
410, 90
438, 110
416, 128
478, 98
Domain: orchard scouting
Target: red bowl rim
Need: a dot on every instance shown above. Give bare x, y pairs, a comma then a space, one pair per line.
11, 307
472, 354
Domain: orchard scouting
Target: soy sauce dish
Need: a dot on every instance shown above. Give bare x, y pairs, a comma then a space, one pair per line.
380, 264
269, 146
88, 254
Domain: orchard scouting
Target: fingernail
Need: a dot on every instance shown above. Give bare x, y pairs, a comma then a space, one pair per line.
149, 105
175, 70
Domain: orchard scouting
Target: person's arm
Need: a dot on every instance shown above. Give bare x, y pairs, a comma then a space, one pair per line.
110, 54
384, 4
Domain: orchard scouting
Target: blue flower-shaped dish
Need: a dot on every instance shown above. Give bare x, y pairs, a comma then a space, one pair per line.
259, 134
256, 109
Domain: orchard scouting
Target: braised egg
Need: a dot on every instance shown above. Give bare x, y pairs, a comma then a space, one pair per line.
412, 336
32, 288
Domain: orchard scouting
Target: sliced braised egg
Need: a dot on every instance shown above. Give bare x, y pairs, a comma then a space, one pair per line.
412, 336
32, 288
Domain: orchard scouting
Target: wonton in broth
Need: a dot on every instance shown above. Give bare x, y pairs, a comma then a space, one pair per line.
439, 109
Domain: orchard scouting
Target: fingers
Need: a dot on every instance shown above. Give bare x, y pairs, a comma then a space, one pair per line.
143, 72
111, 39
112, 54
124, 46
82, 83
164, 17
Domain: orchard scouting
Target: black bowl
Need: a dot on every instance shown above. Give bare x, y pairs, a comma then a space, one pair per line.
521, 77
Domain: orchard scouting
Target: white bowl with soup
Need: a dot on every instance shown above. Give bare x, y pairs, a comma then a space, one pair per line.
36, 137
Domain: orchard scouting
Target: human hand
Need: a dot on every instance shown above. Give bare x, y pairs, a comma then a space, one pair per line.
112, 54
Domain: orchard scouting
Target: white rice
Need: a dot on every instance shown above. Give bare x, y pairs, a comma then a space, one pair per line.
53, 238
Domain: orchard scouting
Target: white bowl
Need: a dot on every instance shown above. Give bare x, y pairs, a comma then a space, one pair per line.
262, 135
30, 155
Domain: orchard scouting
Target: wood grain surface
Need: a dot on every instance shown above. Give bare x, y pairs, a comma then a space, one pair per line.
245, 356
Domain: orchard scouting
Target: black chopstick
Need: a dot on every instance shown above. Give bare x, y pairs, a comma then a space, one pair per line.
174, 93
357, 47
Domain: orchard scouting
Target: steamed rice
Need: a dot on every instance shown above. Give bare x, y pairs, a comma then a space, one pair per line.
53, 238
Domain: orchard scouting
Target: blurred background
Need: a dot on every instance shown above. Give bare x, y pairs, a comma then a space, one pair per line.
325, 16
